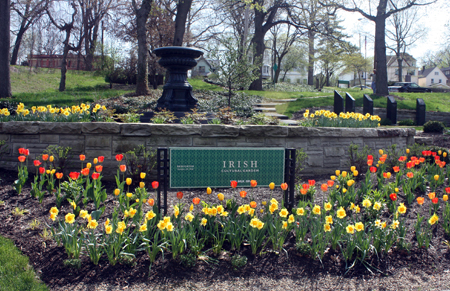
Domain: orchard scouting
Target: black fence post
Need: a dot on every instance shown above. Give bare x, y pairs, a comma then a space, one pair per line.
421, 110
289, 177
391, 110
338, 103
349, 103
367, 105
162, 177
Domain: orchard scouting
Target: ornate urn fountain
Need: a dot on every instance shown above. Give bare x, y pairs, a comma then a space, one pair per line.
177, 95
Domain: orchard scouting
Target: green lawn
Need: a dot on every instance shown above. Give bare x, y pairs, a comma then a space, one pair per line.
15, 272
40, 87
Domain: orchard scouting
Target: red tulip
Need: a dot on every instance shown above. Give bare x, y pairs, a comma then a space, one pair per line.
180, 195
155, 184
82, 157
123, 168
330, 183
305, 186
447, 190
98, 168
74, 175
393, 196
196, 200
311, 182
119, 157
369, 157
41, 170
37, 163
233, 184
95, 176
373, 169
22, 159
243, 194
85, 172
435, 200
396, 169
402, 159
21, 151
284, 186
26, 152
44, 157
101, 159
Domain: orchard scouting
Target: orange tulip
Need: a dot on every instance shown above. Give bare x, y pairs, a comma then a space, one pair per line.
196, 200
243, 194
253, 204
180, 195
123, 168
22, 159
324, 187
151, 201
85, 172
82, 157
44, 157
420, 200
59, 175
284, 186
431, 195
253, 183
409, 175
98, 168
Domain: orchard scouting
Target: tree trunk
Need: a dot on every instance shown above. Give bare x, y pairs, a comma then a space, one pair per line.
17, 43
400, 69
258, 41
5, 18
311, 52
380, 49
62, 82
142, 66
183, 8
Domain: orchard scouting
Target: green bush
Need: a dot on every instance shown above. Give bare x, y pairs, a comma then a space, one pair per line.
385, 121
406, 122
433, 126
238, 261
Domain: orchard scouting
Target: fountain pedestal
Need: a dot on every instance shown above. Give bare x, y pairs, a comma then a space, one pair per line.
177, 95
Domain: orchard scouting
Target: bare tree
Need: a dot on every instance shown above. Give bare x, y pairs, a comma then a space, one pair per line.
402, 34
281, 45
142, 14
5, 20
378, 16
67, 28
29, 11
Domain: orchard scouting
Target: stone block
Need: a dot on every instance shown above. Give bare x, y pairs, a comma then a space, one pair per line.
169, 141
175, 129
25, 138
264, 130
275, 142
60, 127
49, 138
204, 142
334, 151
136, 129
77, 145
121, 145
94, 153
219, 130
314, 158
98, 142
250, 142
100, 127
21, 127
4, 137
296, 143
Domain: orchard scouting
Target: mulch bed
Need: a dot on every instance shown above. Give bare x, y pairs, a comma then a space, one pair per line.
422, 266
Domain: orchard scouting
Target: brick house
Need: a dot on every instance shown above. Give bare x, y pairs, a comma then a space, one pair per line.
74, 62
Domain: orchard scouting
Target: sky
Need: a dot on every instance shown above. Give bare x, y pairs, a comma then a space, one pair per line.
434, 17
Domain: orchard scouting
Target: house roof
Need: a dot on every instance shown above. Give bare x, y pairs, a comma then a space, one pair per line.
407, 59
445, 69
426, 72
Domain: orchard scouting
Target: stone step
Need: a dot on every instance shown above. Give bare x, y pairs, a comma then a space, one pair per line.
424, 140
265, 109
279, 116
267, 104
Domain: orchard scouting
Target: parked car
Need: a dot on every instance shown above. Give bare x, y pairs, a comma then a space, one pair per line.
407, 87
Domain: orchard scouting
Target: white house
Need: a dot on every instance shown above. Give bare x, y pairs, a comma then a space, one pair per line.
432, 77
409, 69
203, 67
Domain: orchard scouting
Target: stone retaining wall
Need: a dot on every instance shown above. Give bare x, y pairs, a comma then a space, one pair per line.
326, 147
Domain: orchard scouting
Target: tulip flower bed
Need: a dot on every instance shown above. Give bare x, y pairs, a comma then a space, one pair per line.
347, 223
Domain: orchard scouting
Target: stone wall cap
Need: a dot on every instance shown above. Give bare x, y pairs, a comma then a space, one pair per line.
264, 130
219, 130
21, 127
175, 129
100, 127
60, 127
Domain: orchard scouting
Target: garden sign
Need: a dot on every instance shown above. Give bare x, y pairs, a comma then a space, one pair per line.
201, 167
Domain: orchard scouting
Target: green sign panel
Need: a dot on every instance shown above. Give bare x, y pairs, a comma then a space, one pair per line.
217, 167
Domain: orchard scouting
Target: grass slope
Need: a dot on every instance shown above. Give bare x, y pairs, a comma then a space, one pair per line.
40, 87
15, 272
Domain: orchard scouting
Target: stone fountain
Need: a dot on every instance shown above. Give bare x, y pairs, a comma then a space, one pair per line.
177, 95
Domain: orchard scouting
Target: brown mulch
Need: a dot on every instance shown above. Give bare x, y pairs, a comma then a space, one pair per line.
418, 269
